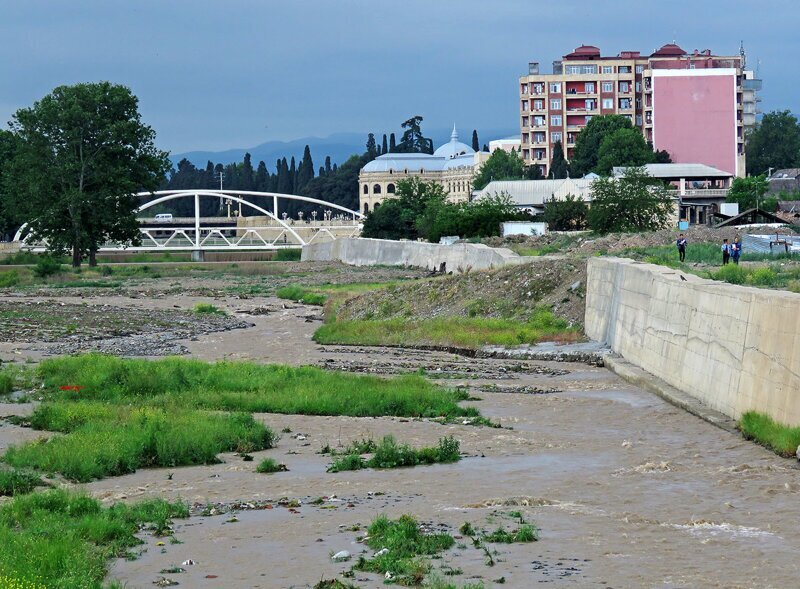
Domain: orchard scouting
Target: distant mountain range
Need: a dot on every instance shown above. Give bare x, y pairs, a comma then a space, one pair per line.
339, 146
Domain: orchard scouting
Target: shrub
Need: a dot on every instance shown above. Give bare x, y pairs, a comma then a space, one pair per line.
301, 295
268, 466
9, 278
208, 309
732, 273
287, 255
6, 383
18, 482
46, 266
764, 276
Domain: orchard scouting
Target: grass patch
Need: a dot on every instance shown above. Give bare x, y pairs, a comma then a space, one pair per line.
208, 309
406, 544
468, 332
268, 466
59, 539
390, 454
18, 482
101, 440
525, 533
247, 386
762, 429
9, 278
301, 295
287, 255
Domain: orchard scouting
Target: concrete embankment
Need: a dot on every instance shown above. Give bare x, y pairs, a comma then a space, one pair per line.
461, 257
734, 348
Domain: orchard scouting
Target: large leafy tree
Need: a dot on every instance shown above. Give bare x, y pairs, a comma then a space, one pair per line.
413, 141
634, 202
623, 147
558, 167
82, 155
568, 214
774, 143
587, 143
748, 192
501, 165
10, 219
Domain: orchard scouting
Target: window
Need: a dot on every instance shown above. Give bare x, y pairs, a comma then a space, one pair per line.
692, 66
608, 69
524, 105
390, 189
638, 120
588, 87
524, 89
538, 121
608, 86
590, 104
573, 69
366, 208
555, 120
581, 69
538, 88
525, 121
538, 137
376, 189
538, 154
555, 104
587, 118
608, 103
638, 86
624, 87
555, 87
526, 154
625, 103
366, 189
624, 69
555, 137
639, 69
538, 104
525, 137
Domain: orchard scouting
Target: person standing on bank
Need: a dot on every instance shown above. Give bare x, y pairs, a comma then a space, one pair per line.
681, 243
736, 250
726, 252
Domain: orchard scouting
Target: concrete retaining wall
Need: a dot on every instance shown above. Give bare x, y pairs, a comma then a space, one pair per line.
734, 348
459, 257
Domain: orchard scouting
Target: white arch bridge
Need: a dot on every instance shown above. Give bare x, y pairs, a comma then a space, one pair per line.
263, 231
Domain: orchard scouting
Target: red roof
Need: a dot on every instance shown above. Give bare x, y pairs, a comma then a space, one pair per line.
584, 52
669, 50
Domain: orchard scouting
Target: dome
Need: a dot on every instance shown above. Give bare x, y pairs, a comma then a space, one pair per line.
403, 163
454, 148
669, 50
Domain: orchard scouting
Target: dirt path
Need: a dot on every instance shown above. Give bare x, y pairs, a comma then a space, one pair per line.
628, 491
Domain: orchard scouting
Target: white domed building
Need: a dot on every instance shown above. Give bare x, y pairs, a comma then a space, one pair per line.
453, 165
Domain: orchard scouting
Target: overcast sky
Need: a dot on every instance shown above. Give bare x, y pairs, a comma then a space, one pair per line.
217, 75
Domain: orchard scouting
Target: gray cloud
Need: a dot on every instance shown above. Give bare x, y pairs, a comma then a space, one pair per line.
213, 75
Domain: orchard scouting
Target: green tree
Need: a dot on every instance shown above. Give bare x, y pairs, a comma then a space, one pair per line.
400, 221
634, 202
565, 215
392, 144
479, 218
384, 145
284, 177
262, 177
534, 172
774, 143
10, 219
623, 147
501, 165
587, 143
413, 141
372, 147
245, 175
558, 167
748, 192
476, 146
305, 172
82, 155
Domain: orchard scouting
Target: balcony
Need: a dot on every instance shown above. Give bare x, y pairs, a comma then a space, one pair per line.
715, 193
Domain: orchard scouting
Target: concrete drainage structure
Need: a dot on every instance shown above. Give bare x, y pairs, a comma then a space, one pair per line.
734, 348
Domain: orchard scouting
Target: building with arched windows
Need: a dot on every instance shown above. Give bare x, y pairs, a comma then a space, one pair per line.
453, 165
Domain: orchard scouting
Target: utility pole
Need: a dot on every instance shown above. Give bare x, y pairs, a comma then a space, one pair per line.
221, 176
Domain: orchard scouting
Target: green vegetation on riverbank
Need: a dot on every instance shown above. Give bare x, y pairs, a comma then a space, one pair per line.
59, 539
466, 332
762, 429
389, 454
246, 386
100, 440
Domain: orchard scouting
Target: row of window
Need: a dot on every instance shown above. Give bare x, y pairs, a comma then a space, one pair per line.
376, 189
588, 88
606, 69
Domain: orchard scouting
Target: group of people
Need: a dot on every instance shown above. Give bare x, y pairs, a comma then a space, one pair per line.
729, 250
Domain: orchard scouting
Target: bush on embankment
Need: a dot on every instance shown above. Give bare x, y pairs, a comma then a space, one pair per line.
762, 429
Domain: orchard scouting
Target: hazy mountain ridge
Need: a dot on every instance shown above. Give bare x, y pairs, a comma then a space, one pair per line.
339, 146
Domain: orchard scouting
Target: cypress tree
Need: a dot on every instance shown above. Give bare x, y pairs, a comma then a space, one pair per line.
384, 146
305, 172
328, 165
558, 167
246, 174
485, 147
321, 172
208, 181
292, 177
284, 179
262, 177
372, 148
475, 144
392, 144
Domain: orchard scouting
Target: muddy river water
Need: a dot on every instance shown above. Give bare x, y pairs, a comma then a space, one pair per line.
627, 490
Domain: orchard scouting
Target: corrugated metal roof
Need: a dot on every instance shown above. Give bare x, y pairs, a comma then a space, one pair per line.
536, 192
677, 171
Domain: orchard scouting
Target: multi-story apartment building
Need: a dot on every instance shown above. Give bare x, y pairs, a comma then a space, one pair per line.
697, 106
